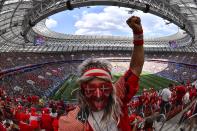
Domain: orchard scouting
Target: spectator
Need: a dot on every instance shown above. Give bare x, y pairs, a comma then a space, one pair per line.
165, 99
148, 124
46, 120
186, 99
100, 103
192, 93
180, 92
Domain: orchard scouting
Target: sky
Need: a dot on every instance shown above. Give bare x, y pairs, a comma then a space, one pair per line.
107, 20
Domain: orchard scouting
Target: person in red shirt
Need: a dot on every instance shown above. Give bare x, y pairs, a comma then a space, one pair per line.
142, 103
180, 92
25, 127
56, 121
34, 119
192, 93
2, 128
153, 100
101, 101
29, 99
46, 120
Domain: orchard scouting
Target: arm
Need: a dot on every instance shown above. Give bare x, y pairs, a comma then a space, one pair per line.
137, 58
128, 85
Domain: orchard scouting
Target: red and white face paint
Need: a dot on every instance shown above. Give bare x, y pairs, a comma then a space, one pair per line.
97, 94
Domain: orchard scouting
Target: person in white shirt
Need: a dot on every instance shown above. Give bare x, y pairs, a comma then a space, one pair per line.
186, 99
166, 95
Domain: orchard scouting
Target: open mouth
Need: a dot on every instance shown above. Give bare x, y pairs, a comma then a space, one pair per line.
99, 104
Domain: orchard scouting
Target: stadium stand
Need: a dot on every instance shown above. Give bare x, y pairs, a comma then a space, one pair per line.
35, 62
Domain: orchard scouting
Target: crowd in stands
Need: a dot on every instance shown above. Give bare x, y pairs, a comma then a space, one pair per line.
21, 105
173, 71
189, 58
15, 59
36, 81
168, 101
33, 113
30, 113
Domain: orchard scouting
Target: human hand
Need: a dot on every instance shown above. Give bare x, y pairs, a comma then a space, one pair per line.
134, 23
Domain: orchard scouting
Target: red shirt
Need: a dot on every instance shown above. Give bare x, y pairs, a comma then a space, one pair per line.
2, 128
180, 92
24, 127
192, 93
24, 117
126, 88
34, 120
55, 124
46, 122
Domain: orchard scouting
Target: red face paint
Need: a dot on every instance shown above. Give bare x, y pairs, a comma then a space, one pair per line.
97, 94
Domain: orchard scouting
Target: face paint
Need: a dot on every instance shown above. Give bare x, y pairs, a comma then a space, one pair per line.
97, 94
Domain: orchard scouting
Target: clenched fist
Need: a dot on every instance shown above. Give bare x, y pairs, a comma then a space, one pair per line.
134, 23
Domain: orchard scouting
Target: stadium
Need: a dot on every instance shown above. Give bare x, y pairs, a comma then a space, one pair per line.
39, 67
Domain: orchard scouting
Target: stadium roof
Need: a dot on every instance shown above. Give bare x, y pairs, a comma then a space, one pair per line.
23, 21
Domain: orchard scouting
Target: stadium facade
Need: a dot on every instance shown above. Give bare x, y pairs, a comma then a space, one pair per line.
22, 26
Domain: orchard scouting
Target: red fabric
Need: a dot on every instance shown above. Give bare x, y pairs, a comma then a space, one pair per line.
97, 68
2, 128
180, 92
46, 110
46, 122
153, 98
96, 74
126, 88
129, 89
35, 123
132, 118
17, 115
55, 124
24, 127
141, 99
35, 99
138, 42
29, 99
192, 93
23, 116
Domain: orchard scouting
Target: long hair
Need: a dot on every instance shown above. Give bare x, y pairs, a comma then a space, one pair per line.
112, 110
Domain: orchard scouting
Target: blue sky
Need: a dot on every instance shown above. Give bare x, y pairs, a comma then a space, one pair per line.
106, 20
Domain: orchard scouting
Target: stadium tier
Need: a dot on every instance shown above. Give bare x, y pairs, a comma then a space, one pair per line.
39, 76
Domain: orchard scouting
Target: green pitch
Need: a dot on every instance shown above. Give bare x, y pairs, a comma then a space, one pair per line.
147, 80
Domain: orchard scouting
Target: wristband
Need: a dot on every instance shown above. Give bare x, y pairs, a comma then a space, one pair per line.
138, 38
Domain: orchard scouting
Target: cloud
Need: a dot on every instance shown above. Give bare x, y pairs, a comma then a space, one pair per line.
92, 32
50, 23
111, 21
155, 26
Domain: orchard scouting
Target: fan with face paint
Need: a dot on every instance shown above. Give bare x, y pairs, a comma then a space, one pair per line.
97, 92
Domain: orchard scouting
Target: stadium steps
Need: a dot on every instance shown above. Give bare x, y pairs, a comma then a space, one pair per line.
171, 125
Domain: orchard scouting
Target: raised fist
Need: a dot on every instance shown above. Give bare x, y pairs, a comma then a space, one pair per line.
134, 23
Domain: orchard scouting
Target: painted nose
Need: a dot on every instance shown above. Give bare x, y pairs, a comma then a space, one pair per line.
98, 92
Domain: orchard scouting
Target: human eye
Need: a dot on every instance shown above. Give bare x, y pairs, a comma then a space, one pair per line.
106, 87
